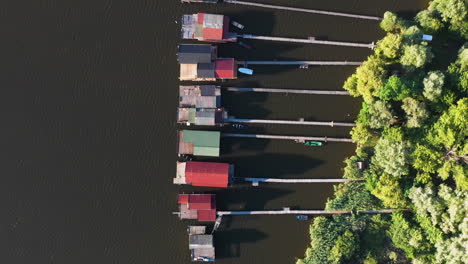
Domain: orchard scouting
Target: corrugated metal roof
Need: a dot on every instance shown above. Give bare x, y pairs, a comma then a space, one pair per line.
202, 138
208, 90
206, 102
206, 151
225, 69
213, 21
206, 70
206, 215
208, 174
191, 53
200, 241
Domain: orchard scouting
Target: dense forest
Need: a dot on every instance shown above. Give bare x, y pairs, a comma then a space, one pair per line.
411, 135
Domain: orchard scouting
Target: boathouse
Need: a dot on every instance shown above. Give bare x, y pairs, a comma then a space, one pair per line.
201, 207
200, 105
199, 62
199, 143
201, 244
207, 27
204, 174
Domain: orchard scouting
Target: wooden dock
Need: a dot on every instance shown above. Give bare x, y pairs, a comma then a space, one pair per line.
304, 10
287, 211
295, 138
288, 122
310, 40
292, 91
319, 63
257, 181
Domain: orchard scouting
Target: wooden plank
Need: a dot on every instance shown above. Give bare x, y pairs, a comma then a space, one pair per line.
293, 91
329, 13
295, 138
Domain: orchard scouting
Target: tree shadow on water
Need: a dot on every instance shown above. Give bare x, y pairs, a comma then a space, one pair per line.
228, 242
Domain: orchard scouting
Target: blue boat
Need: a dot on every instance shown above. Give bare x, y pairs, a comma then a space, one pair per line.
302, 217
246, 71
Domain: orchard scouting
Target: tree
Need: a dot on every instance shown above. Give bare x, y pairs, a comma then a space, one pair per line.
380, 114
394, 89
363, 135
412, 35
392, 156
389, 191
433, 85
369, 77
416, 55
345, 246
407, 237
426, 159
351, 85
428, 21
390, 22
453, 12
416, 112
458, 71
389, 46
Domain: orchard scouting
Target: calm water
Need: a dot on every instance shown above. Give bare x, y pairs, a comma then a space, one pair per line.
89, 94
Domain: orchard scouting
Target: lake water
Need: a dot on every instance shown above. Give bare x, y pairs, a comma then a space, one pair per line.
89, 95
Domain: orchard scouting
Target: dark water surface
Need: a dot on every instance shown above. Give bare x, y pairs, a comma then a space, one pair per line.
89, 94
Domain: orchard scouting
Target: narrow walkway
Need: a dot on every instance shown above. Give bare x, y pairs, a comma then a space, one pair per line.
287, 122
310, 41
322, 63
294, 180
293, 91
295, 138
329, 13
287, 211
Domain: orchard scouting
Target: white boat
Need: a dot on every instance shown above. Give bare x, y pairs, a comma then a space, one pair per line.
240, 26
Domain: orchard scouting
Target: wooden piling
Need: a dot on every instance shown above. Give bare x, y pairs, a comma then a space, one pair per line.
310, 41
287, 122
295, 138
293, 91
329, 13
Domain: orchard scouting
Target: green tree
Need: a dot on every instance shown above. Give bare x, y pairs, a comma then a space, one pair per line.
412, 35
392, 156
345, 247
426, 159
429, 22
407, 237
351, 85
369, 77
394, 89
389, 191
415, 111
389, 46
453, 12
416, 56
433, 85
380, 114
363, 135
390, 22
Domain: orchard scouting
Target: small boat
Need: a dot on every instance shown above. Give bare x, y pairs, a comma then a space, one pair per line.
205, 259
246, 71
313, 143
244, 45
240, 26
238, 126
302, 217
